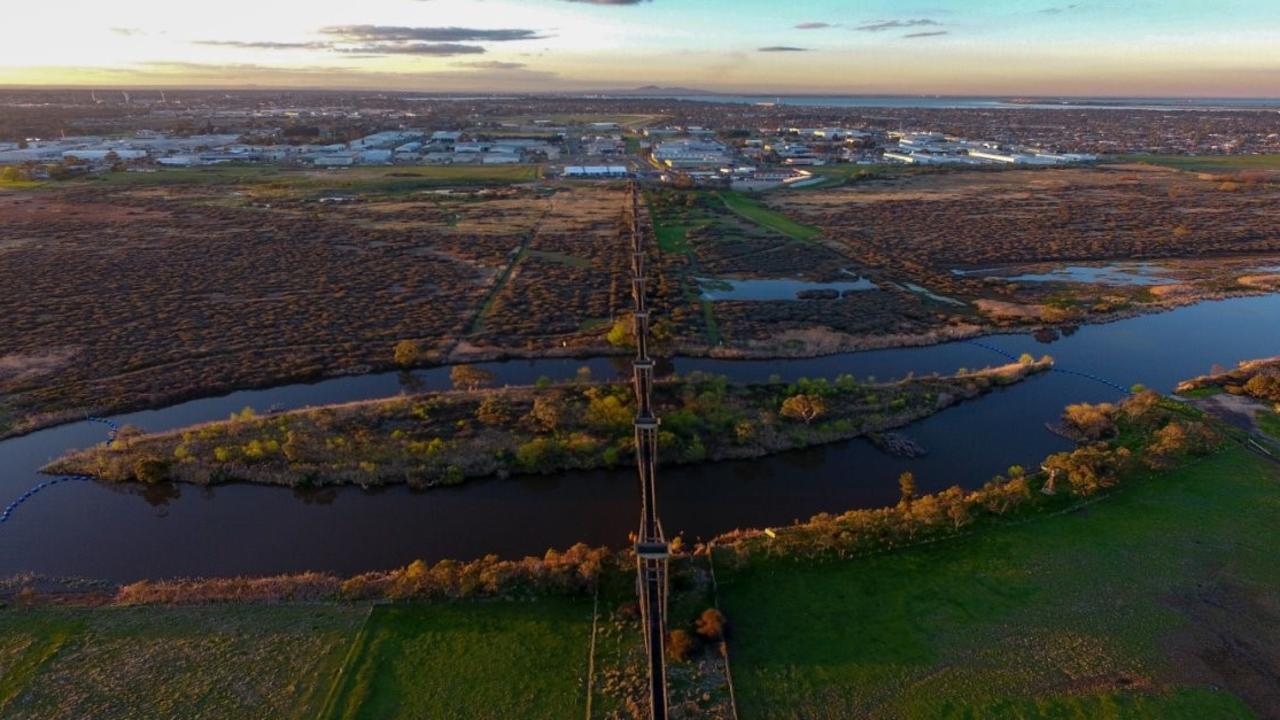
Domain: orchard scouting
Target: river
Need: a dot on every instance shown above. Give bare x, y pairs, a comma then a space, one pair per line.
124, 533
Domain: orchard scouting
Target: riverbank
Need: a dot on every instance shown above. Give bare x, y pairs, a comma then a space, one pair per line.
803, 343
1158, 601
445, 438
1025, 607
125, 532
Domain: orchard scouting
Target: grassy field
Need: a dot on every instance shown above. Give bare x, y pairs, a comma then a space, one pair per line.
19, 185
845, 173
297, 662
478, 660
216, 662
752, 210
1136, 607
1270, 424
1209, 163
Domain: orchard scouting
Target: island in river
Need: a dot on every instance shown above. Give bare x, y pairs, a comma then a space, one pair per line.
443, 438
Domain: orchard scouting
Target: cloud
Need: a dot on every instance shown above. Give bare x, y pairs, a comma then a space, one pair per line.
393, 33
438, 49
935, 33
813, 25
381, 40
1058, 10
490, 65
174, 73
128, 32
266, 45
895, 25
782, 48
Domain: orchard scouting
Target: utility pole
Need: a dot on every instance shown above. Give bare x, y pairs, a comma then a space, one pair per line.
652, 550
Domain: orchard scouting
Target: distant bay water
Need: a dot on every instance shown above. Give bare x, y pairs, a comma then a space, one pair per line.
947, 102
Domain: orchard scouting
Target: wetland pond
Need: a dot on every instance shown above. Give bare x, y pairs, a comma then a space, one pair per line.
776, 288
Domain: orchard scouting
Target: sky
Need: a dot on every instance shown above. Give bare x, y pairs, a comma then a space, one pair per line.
1179, 48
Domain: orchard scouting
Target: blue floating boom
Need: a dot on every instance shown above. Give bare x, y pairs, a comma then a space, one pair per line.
1056, 369
113, 428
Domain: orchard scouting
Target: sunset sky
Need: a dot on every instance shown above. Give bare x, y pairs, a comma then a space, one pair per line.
1099, 47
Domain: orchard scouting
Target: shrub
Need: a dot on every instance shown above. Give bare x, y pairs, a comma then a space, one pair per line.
620, 334
470, 377
151, 470
494, 410
804, 407
681, 645
408, 353
539, 454
711, 625
1093, 422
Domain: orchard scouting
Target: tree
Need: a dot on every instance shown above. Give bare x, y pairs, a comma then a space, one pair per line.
547, 412
126, 436
620, 334
606, 411
408, 353
1263, 387
540, 453
494, 410
680, 644
1091, 421
907, 487
470, 377
150, 470
804, 407
710, 625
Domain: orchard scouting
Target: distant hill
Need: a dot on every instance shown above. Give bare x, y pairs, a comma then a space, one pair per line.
657, 90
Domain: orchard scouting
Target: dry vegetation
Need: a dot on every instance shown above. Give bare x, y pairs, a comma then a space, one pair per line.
1208, 236
125, 295
444, 438
140, 290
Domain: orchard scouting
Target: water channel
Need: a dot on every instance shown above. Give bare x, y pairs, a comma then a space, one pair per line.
124, 533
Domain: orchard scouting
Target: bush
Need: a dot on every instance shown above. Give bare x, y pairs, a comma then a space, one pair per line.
470, 377
1092, 422
539, 454
151, 470
408, 353
494, 411
681, 645
710, 625
804, 407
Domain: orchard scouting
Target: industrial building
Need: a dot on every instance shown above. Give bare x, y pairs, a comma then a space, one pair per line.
596, 171
678, 154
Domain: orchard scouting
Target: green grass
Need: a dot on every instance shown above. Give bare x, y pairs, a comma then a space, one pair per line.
845, 173
191, 662
1208, 163
1203, 392
1269, 423
20, 184
477, 324
477, 660
747, 207
674, 238
714, 336
1076, 616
